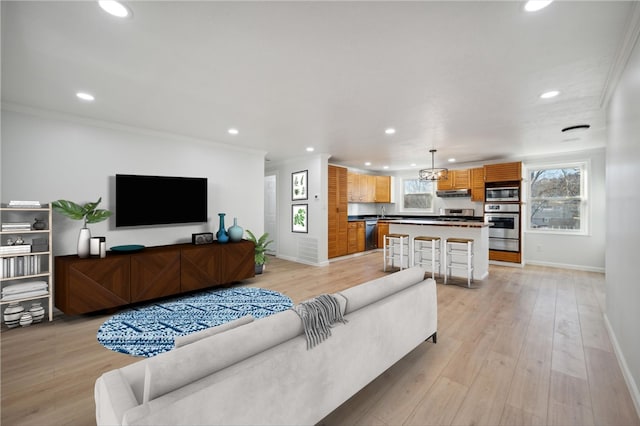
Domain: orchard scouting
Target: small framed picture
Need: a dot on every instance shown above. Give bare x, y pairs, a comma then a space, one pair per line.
299, 185
299, 218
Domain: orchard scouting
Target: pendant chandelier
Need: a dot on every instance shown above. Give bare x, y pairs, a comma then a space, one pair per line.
433, 173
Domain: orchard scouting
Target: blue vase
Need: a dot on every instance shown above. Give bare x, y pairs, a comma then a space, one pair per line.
222, 235
235, 231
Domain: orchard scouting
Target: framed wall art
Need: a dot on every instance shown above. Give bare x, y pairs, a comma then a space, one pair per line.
299, 218
299, 185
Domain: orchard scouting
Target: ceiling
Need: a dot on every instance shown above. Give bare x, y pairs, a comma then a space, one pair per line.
461, 77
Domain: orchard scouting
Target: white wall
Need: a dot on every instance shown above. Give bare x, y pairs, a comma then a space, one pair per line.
623, 229
310, 248
586, 252
47, 157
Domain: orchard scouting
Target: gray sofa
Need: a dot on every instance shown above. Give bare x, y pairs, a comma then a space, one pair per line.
261, 372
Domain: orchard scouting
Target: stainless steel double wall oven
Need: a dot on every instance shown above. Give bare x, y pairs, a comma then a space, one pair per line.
502, 213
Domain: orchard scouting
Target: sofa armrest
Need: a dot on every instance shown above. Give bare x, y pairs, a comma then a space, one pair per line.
113, 397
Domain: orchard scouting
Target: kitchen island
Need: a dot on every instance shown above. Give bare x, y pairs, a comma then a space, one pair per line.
479, 231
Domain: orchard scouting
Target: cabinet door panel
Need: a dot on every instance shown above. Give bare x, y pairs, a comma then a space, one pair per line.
155, 274
201, 267
87, 285
477, 184
383, 189
503, 172
238, 262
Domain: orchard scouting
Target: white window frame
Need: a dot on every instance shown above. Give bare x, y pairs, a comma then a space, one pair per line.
417, 210
585, 208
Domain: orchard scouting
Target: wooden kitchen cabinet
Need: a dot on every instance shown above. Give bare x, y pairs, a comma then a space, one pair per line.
360, 236
456, 179
461, 179
383, 229
355, 237
383, 189
337, 211
503, 172
368, 188
477, 184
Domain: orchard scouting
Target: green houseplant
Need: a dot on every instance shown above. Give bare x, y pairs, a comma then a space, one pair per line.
88, 213
261, 248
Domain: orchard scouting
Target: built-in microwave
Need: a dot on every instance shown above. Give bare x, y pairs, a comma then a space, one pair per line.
510, 193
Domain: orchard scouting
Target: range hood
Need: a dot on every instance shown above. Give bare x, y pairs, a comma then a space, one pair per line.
451, 193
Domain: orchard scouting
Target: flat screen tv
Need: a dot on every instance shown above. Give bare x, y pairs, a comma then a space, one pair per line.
160, 200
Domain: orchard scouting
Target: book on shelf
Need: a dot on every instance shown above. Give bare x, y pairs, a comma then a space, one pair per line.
16, 226
20, 266
25, 204
23, 248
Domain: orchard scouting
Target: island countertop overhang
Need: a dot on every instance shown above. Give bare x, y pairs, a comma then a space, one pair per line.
462, 224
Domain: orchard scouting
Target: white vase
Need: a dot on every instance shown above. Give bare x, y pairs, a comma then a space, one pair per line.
26, 319
83, 242
12, 315
37, 312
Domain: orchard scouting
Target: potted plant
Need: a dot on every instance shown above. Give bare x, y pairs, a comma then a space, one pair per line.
261, 247
88, 213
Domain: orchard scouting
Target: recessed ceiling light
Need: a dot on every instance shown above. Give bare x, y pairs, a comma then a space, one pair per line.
550, 94
368, 163
385, 167
451, 160
233, 131
85, 96
536, 5
390, 131
114, 8
310, 149
413, 164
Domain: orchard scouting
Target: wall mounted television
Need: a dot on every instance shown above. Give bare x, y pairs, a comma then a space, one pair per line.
160, 200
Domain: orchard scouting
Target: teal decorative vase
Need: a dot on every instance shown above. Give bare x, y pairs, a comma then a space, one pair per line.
235, 231
222, 235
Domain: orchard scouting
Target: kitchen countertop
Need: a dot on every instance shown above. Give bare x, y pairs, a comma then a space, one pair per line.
431, 222
475, 221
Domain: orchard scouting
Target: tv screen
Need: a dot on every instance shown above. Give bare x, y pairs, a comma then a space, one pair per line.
160, 200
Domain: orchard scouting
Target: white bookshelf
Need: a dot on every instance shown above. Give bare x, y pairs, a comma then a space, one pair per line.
16, 267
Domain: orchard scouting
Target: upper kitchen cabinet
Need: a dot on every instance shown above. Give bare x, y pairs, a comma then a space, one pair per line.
457, 179
504, 172
368, 188
383, 189
477, 184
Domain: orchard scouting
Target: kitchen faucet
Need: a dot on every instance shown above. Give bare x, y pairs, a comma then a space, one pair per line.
382, 211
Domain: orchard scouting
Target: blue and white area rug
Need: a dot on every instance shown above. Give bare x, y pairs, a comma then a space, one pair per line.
149, 330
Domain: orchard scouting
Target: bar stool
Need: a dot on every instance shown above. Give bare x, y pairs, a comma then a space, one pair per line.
426, 251
458, 247
396, 245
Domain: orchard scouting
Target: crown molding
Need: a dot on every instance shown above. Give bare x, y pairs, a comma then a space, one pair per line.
624, 53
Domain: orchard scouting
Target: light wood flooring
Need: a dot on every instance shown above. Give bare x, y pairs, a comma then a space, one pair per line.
527, 346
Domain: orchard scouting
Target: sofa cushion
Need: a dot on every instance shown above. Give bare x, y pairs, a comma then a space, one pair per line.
374, 290
180, 341
172, 370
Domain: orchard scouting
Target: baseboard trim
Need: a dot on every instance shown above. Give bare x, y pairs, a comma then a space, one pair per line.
306, 262
626, 373
565, 266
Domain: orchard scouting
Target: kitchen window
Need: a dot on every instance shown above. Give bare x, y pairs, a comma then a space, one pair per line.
417, 195
558, 198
